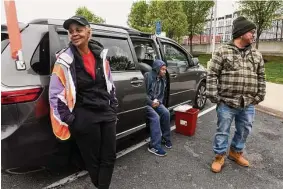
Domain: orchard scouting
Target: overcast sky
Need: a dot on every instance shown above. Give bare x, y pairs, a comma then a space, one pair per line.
113, 11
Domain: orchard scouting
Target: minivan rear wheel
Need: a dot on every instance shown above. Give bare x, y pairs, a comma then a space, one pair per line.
200, 99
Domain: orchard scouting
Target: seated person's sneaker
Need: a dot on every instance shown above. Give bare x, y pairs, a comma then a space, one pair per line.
167, 144
157, 151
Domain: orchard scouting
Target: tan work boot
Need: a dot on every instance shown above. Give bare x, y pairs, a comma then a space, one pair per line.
238, 158
218, 163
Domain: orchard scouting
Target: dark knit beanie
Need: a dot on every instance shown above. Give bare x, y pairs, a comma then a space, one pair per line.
241, 26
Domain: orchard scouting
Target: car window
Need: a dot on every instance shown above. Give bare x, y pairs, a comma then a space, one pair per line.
150, 50
64, 39
40, 61
174, 55
119, 52
4, 41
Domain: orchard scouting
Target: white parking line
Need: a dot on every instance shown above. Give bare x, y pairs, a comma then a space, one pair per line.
77, 175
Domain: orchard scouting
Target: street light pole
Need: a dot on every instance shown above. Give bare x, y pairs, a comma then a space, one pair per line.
210, 26
214, 27
281, 30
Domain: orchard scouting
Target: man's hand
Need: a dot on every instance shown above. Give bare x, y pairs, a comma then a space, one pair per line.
155, 103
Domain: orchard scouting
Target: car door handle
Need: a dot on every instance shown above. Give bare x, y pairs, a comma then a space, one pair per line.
136, 82
173, 75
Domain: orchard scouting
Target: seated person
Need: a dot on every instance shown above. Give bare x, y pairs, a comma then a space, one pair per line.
157, 114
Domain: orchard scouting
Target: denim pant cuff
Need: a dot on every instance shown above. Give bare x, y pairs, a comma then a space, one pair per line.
222, 154
236, 149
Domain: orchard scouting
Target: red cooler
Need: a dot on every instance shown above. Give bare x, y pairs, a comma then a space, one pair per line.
186, 121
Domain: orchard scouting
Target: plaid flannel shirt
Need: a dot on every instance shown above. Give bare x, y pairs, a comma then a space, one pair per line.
236, 78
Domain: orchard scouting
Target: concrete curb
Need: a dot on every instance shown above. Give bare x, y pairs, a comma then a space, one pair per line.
270, 111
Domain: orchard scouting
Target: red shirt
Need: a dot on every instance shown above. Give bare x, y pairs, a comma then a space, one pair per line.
89, 63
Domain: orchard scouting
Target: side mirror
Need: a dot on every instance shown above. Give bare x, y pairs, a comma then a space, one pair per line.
195, 61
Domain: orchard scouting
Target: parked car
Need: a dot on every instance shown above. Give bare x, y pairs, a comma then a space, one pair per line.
27, 138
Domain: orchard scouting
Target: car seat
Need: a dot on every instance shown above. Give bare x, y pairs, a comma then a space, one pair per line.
140, 52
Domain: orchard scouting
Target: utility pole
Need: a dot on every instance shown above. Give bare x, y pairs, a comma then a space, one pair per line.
276, 29
210, 26
214, 27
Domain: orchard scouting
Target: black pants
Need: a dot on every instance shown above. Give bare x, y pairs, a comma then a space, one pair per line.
97, 144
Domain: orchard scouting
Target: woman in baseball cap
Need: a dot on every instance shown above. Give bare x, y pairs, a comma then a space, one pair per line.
82, 35
83, 102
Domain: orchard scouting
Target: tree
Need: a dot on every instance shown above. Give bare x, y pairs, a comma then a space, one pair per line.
262, 13
153, 14
171, 15
173, 19
196, 12
137, 18
144, 15
91, 17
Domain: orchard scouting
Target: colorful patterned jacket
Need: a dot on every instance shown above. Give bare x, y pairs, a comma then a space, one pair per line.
62, 89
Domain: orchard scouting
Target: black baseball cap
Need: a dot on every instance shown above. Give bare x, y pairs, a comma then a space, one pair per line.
77, 19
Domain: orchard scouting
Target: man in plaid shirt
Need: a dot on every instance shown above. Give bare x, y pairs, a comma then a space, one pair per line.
236, 82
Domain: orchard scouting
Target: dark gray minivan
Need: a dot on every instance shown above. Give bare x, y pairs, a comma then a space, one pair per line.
26, 134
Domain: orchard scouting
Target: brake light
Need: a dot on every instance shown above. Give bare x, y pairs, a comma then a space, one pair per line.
18, 96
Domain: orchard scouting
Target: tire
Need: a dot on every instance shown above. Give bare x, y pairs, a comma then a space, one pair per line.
200, 99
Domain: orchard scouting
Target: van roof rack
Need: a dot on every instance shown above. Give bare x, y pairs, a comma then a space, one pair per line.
131, 31
22, 26
46, 21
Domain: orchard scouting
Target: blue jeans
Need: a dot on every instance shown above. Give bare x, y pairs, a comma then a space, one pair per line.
244, 118
159, 123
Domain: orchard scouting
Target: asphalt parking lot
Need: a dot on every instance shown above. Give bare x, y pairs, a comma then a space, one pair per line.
187, 165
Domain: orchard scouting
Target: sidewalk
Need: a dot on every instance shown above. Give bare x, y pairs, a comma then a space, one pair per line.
273, 103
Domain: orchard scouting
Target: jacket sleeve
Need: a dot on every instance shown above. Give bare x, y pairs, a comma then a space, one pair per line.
214, 68
261, 83
114, 100
57, 100
149, 97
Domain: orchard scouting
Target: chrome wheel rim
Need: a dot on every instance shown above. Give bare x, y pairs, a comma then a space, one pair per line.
201, 97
